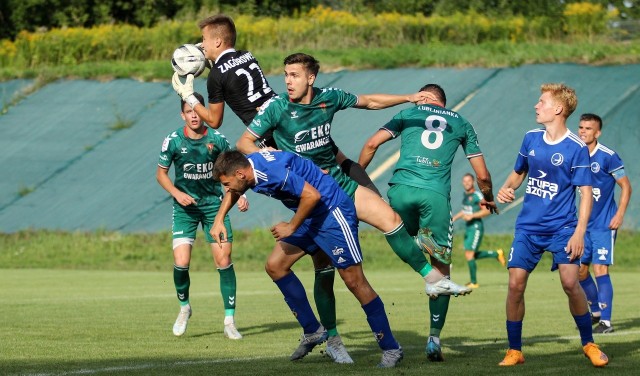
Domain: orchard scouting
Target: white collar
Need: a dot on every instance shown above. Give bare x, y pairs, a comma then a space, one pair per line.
224, 52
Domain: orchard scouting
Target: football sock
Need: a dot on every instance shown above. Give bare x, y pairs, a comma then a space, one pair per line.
228, 287
485, 254
473, 269
406, 248
325, 298
514, 334
296, 299
379, 323
438, 308
583, 322
605, 296
591, 291
357, 173
181, 281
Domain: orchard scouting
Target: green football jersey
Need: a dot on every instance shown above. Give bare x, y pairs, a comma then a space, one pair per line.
304, 129
430, 138
193, 163
471, 205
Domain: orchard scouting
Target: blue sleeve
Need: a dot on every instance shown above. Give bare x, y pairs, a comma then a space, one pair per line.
522, 162
615, 164
292, 184
580, 168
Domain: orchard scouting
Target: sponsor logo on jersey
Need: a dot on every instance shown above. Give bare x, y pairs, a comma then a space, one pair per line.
320, 136
200, 171
595, 167
426, 161
596, 193
235, 61
257, 123
164, 157
557, 159
540, 187
602, 252
165, 144
337, 251
294, 114
532, 153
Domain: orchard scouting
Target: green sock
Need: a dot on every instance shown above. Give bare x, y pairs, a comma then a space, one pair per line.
486, 254
406, 248
438, 310
325, 298
473, 268
228, 287
181, 281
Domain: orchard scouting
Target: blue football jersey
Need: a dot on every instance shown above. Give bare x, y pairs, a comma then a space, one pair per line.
604, 163
554, 170
281, 175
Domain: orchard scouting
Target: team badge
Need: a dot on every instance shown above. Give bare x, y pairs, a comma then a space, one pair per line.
595, 167
210, 147
557, 159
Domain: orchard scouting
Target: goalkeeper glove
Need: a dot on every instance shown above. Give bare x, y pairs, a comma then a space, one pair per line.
185, 91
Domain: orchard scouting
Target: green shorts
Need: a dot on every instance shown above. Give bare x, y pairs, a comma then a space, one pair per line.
420, 208
473, 236
347, 184
186, 220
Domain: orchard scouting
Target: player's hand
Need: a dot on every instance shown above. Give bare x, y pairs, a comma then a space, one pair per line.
575, 246
184, 90
243, 204
491, 205
616, 222
184, 199
282, 230
421, 96
218, 233
506, 195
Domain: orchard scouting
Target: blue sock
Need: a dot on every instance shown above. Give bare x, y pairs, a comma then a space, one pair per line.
605, 296
296, 299
590, 289
379, 324
514, 334
583, 323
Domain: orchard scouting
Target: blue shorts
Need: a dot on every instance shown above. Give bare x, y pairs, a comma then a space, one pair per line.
527, 249
598, 247
335, 233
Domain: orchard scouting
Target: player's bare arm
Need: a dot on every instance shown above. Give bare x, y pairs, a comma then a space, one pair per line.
507, 192
380, 101
371, 146
218, 230
162, 175
246, 143
309, 198
213, 115
575, 246
625, 196
484, 184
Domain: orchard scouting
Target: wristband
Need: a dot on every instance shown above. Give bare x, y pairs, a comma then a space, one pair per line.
191, 100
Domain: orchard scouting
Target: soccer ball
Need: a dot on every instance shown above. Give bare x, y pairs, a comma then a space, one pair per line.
188, 59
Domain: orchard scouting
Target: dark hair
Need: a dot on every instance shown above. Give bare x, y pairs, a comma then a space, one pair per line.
228, 162
592, 117
469, 175
221, 26
308, 62
436, 90
198, 96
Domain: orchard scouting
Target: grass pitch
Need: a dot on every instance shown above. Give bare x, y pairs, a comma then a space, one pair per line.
74, 322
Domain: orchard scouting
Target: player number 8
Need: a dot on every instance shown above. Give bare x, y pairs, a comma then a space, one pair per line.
437, 131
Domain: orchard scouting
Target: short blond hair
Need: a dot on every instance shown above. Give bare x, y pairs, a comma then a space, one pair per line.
563, 94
